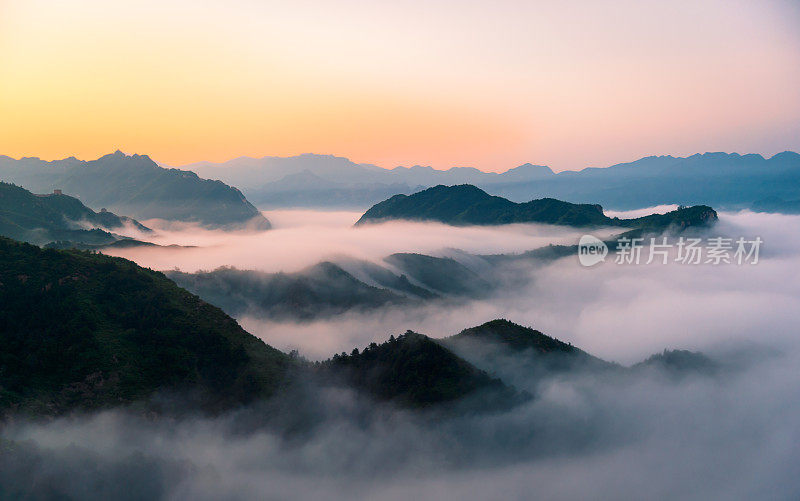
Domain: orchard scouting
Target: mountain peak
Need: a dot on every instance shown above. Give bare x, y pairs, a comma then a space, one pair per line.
786, 155
531, 167
415, 370
680, 362
119, 155
528, 172
516, 337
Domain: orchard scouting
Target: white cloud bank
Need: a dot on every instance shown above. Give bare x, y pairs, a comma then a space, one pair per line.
729, 437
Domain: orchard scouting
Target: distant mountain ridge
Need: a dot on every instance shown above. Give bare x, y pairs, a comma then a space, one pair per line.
724, 180
469, 205
337, 181
254, 172
135, 185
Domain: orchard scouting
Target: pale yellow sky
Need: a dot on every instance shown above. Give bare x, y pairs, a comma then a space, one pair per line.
442, 83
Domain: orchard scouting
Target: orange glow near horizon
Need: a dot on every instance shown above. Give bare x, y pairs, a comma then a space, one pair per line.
398, 83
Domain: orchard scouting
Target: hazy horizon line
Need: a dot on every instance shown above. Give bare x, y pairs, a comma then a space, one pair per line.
367, 164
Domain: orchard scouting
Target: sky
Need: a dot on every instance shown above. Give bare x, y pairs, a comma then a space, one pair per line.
441, 83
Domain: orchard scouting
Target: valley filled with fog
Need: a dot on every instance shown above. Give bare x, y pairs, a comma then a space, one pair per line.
620, 312
725, 431
399, 250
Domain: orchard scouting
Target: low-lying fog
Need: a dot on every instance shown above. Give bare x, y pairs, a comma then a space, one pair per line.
302, 238
619, 312
732, 436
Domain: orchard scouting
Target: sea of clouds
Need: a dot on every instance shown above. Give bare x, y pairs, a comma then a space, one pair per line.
728, 436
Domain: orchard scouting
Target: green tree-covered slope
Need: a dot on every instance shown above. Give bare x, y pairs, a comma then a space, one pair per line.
417, 371
84, 331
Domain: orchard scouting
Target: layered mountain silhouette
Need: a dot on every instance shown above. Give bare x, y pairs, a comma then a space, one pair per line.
724, 180
135, 185
306, 189
332, 288
84, 331
319, 291
441, 275
469, 205
55, 217
401, 279
312, 180
254, 173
